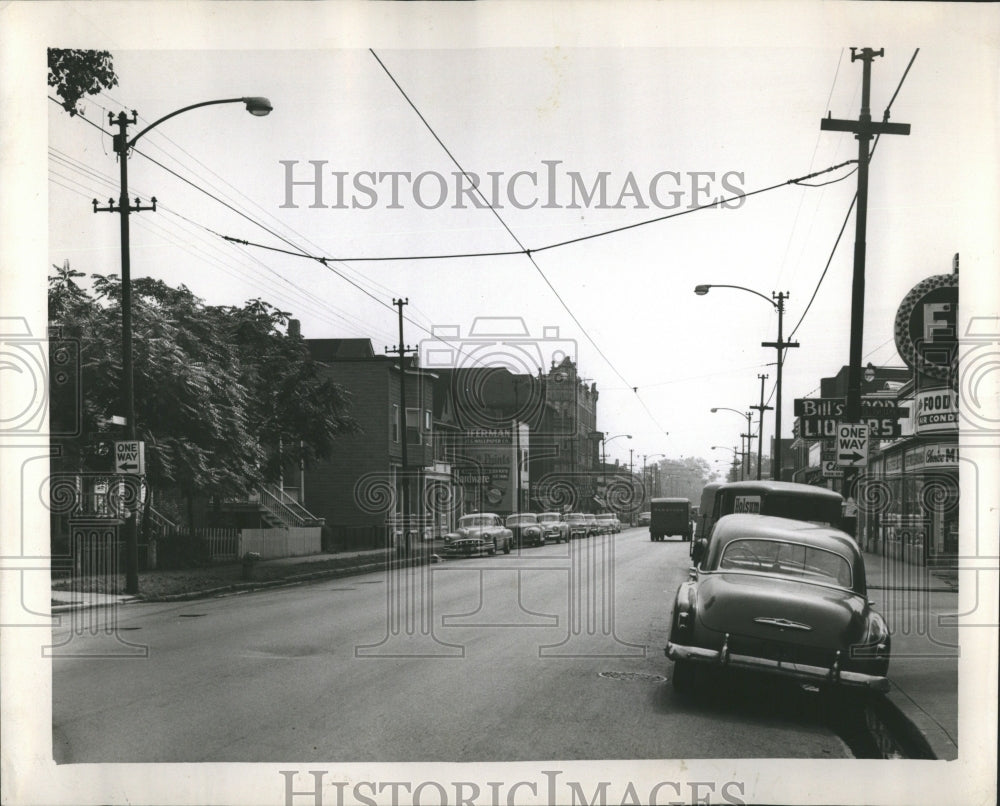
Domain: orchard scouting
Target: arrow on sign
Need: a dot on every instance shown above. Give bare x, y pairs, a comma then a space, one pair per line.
853, 457
127, 467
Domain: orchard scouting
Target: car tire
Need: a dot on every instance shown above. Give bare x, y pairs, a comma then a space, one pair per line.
541, 541
492, 550
506, 547
683, 677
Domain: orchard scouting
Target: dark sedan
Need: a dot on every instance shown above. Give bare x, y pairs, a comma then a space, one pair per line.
781, 596
526, 529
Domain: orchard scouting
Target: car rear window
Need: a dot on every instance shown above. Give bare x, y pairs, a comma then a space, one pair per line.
787, 559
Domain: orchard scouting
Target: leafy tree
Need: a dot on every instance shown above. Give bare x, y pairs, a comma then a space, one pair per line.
218, 390
297, 412
75, 73
684, 477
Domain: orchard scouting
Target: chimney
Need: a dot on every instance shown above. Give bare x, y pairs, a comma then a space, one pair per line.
294, 328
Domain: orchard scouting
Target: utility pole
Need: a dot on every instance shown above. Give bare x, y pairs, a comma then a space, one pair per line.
863, 129
132, 483
780, 346
760, 423
401, 350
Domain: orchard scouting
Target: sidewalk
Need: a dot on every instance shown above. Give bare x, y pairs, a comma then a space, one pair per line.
923, 669
220, 580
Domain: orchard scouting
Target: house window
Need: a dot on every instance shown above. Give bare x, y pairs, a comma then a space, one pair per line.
428, 423
413, 427
395, 423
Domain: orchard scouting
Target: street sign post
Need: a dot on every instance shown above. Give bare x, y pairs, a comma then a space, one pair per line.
130, 457
852, 445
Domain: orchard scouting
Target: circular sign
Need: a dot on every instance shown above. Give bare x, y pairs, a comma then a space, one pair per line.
927, 326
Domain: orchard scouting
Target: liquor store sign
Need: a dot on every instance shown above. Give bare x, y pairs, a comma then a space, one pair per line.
820, 416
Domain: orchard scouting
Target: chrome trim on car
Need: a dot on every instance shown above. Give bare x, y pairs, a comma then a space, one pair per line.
783, 623
797, 670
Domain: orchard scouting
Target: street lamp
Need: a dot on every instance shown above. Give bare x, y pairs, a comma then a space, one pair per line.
748, 436
604, 456
122, 145
735, 454
645, 483
780, 345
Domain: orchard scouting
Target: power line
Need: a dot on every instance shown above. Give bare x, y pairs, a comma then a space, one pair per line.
836, 243
510, 232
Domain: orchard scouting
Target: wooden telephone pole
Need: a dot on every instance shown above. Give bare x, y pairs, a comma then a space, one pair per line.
863, 129
401, 350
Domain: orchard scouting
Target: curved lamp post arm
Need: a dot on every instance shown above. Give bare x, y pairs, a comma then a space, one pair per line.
701, 290
255, 106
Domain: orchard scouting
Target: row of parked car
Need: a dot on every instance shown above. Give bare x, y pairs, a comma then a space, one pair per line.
489, 533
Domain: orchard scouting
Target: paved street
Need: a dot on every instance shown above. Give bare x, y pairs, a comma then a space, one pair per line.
554, 654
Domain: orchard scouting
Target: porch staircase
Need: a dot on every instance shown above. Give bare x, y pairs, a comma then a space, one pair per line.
275, 508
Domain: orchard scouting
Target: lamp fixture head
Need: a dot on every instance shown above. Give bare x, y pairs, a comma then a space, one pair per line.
258, 106
701, 290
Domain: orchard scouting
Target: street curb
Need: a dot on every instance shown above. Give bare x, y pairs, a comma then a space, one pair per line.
247, 587
916, 732
70, 606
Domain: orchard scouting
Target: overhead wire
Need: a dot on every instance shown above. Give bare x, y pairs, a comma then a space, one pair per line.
220, 260
510, 232
306, 296
245, 199
836, 243
298, 251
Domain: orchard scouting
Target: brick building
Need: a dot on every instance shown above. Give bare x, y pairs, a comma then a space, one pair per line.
359, 490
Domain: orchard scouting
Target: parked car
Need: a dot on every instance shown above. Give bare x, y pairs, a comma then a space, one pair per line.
577, 523
705, 517
555, 526
782, 596
526, 530
784, 499
644, 518
610, 523
477, 533
668, 517
593, 527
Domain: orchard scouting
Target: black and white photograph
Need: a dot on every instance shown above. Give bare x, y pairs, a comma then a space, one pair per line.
499, 403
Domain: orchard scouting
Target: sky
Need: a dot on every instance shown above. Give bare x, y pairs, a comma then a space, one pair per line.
693, 123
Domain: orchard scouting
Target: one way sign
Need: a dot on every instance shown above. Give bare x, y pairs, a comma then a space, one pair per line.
130, 457
852, 444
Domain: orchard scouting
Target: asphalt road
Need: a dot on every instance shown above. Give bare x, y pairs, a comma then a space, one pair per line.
556, 653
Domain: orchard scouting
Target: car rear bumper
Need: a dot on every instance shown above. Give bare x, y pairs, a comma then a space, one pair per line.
799, 671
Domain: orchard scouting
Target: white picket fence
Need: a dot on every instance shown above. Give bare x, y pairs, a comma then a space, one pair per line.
223, 544
231, 544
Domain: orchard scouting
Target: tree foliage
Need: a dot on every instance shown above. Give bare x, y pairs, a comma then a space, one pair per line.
222, 394
684, 477
75, 73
